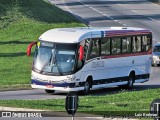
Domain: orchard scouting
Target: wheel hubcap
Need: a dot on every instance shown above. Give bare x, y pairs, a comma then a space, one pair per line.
130, 82
86, 87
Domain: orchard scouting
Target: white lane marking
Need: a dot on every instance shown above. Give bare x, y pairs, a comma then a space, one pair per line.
134, 11
153, 19
150, 18
119, 4
154, 4
125, 25
94, 9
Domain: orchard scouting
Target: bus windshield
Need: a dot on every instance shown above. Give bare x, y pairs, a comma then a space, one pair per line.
54, 58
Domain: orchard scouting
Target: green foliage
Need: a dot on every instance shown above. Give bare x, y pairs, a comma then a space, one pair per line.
21, 22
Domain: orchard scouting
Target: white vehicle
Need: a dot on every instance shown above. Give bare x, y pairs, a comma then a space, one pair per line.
84, 59
156, 54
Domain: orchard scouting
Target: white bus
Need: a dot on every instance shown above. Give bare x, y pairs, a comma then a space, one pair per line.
84, 59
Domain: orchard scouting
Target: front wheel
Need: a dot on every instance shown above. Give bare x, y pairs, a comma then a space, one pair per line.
87, 87
50, 91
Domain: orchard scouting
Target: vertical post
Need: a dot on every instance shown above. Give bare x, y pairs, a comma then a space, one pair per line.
71, 103
72, 116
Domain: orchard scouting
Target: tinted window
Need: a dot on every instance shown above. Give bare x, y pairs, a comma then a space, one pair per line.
126, 45
105, 46
146, 43
116, 46
95, 47
136, 44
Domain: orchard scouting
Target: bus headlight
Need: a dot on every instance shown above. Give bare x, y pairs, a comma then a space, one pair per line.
70, 78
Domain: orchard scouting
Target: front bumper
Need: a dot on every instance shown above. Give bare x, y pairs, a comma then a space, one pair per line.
156, 61
57, 86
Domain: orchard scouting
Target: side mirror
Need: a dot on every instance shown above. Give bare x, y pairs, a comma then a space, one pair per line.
30, 47
81, 52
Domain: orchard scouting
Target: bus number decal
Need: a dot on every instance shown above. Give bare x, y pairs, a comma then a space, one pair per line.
98, 64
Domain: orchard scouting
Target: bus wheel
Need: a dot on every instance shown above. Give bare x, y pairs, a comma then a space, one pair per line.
50, 91
87, 87
130, 82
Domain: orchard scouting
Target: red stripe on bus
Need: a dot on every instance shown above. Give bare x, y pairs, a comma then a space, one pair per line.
127, 33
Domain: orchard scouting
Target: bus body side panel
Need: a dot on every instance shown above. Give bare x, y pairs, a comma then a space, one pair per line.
142, 67
115, 71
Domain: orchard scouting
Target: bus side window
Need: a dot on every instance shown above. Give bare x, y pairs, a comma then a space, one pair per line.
86, 47
95, 48
116, 45
136, 44
126, 45
146, 43
105, 46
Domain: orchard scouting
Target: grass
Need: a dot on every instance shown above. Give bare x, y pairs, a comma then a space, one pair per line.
21, 22
123, 104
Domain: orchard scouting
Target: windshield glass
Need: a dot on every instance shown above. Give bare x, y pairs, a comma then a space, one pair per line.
54, 58
156, 49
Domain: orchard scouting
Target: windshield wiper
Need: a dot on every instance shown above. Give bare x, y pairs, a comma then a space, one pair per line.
52, 62
55, 63
48, 62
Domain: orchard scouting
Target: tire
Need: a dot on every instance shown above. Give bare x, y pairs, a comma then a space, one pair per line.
130, 82
87, 87
50, 91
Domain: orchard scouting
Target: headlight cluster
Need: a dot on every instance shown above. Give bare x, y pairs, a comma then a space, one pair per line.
69, 78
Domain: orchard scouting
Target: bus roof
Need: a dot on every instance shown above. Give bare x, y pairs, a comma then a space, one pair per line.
75, 35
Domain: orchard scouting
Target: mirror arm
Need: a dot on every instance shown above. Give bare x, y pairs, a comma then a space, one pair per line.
30, 47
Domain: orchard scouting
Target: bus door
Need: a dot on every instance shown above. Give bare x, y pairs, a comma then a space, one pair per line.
97, 64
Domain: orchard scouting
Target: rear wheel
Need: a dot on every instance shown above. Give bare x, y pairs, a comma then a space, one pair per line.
50, 91
129, 84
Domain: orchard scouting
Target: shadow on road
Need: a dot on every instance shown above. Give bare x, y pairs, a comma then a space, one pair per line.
115, 90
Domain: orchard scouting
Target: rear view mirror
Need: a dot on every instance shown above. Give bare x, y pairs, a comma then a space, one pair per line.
81, 52
30, 47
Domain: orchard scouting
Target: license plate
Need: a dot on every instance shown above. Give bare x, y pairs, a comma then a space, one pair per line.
49, 86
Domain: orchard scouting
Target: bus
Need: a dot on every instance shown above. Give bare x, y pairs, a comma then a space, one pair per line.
84, 59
